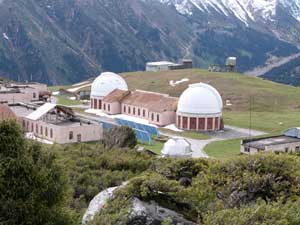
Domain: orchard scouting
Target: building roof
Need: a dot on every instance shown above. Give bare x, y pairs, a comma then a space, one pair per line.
106, 83
177, 147
6, 113
161, 63
44, 109
262, 143
155, 102
116, 95
200, 98
293, 132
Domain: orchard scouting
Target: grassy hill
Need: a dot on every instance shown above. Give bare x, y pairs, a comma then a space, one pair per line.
275, 106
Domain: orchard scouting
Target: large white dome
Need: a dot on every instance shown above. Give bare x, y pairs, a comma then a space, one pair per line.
106, 83
200, 98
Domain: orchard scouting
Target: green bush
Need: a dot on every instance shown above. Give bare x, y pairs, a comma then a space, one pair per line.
32, 187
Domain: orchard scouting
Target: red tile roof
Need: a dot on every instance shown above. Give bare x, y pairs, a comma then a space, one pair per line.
116, 95
155, 102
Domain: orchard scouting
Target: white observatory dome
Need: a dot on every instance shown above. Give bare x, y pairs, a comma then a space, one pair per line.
177, 147
200, 98
105, 83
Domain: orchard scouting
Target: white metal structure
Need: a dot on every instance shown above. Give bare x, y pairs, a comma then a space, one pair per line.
44, 109
177, 147
106, 83
231, 61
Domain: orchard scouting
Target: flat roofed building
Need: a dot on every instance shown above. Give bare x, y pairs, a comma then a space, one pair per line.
288, 142
58, 124
159, 66
28, 92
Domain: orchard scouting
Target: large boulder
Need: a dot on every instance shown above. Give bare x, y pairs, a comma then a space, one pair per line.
143, 213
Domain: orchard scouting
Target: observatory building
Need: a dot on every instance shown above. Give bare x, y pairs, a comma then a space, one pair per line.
103, 85
177, 148
200, 109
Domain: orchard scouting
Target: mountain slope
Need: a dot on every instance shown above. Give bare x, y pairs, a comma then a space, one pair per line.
273, 16
64, 41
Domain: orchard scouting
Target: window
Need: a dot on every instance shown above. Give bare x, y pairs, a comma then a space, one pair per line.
104, 106
32, 127
144, 113
201, 123
247, 149
95, 104
27, 125
51, 133
139, 112
152, 116
179, 121
79, 138
124, 109
193, 123
286, 150
36, 128
157, 117
129, 109
108, 106
46, 132
71, 135
34, 95
24, 124
297, 149
134, 111
41, 130
209, 123
184, 122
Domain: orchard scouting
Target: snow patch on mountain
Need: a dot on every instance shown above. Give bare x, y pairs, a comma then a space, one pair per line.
292, 6
244, 10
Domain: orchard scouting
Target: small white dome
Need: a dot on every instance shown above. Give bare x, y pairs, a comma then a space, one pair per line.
200, 98
106, 83
177, 147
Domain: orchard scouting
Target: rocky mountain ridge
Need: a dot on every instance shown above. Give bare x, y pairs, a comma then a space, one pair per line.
65, 41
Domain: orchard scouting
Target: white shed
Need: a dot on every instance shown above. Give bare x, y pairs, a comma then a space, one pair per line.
158, 66
177, 148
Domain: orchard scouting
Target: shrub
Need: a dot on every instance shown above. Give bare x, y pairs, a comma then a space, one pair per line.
119, 137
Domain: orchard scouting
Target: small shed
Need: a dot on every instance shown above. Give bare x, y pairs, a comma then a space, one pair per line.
177, 148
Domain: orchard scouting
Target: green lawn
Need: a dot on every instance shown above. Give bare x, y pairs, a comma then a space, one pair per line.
156, 147
57, 88
223, 149
67, 102
186, 134
270, 122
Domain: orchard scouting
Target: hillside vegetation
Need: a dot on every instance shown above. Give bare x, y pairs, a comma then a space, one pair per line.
54, 184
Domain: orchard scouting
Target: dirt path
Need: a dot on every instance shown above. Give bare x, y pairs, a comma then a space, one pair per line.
273, 63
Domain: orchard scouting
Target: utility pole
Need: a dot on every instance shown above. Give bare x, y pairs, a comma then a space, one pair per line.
250, 117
